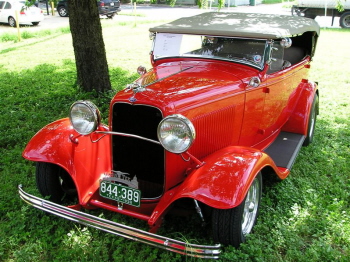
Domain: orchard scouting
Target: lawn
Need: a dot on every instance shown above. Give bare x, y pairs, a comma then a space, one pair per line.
303, 218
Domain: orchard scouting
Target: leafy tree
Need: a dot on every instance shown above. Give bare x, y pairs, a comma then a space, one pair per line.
205, 3
89, 48
339, 6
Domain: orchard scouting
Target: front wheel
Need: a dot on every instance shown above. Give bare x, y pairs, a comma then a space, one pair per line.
344, 20
62, 11
231, 226
54, 182
12, 21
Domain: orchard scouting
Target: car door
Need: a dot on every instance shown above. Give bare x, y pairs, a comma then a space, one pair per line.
253, 111
7, 11
281, 94
2, 4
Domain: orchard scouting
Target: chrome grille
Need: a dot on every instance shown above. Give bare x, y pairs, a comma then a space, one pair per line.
134, 156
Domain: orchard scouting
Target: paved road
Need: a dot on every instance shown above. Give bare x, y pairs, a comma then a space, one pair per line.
165, 12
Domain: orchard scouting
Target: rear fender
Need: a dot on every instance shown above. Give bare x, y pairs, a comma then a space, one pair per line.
83, 158
222, 182
298, 121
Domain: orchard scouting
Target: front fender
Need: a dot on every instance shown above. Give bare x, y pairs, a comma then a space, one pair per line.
226, 177
222, 182
85, 160
52, 144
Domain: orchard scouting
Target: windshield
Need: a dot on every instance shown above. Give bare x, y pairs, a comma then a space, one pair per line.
246, 51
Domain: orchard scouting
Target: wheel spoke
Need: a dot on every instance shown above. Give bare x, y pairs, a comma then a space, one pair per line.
250, 207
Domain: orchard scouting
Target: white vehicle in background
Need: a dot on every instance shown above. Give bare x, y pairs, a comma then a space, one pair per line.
334, 8
26, 15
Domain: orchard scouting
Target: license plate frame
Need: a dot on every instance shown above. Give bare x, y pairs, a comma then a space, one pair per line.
120, 193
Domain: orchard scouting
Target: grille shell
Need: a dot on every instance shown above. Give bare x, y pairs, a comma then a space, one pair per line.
137, 157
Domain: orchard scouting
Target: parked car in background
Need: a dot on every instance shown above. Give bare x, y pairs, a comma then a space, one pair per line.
105, 7
226, 104
26, 15
333, 8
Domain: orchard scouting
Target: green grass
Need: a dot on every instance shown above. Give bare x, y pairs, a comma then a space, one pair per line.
25, 34
303, 218
272, 1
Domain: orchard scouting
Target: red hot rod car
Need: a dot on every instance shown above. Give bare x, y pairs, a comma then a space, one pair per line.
226, 103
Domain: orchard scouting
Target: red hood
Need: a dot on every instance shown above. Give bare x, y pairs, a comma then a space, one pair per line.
177, 86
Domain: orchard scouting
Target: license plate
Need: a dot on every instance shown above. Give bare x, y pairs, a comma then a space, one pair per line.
112, 4
122, 194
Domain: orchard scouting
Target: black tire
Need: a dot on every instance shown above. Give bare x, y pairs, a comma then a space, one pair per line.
344, 20
111, 16
54, 182
12, 21
35, 23
231, 226
312, 122
62, 11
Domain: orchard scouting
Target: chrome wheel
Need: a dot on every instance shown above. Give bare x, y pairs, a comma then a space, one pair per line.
312, 122
231, 226
251, 205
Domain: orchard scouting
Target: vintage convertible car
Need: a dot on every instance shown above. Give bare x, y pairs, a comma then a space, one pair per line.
226, 103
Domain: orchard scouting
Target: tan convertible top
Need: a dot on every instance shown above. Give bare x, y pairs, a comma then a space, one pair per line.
264, 26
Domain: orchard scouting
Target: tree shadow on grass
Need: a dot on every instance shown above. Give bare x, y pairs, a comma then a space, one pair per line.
304, 214
32, 98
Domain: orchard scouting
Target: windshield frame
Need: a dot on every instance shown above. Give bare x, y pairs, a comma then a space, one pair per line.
172, 45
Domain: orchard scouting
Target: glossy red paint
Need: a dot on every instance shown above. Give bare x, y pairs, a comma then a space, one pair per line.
298, 122
267, 112
183, 85
85, 161
210, 95
222, 182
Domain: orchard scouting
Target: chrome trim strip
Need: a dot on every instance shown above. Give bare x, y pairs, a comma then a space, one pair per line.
127, 135
184, 248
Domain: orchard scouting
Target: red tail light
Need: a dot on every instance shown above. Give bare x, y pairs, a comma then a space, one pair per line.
102, 4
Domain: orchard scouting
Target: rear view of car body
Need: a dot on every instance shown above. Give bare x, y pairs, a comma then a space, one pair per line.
105, 7
108, 7
26, 15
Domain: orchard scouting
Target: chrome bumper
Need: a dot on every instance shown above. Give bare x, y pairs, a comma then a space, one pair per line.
173, 245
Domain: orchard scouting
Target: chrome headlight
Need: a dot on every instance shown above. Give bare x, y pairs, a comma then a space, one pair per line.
84, 117
176, 133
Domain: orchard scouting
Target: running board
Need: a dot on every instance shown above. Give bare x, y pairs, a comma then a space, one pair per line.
284, 150
184, 248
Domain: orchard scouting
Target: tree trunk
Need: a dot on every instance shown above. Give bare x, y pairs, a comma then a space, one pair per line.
89, 48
